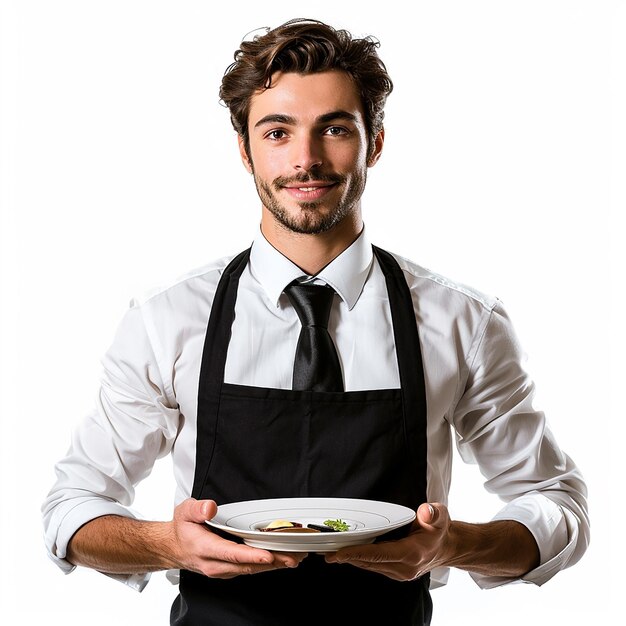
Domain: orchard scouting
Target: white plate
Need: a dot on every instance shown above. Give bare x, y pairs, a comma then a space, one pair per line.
367, 520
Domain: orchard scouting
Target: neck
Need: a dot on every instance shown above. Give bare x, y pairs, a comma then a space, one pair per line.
311, 253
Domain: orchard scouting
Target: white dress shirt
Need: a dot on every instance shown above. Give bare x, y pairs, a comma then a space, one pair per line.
478, 394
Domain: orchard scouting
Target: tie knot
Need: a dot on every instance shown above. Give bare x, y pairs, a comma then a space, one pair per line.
311, 302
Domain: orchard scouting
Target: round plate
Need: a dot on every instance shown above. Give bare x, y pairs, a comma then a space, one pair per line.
367, 520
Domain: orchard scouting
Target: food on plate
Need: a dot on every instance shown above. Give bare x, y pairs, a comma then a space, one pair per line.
337, 524
283, 525
322, 528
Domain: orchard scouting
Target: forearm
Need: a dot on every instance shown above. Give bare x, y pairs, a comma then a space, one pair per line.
503, 548
122, 545
500, 548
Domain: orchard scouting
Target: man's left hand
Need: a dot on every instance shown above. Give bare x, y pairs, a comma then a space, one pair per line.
424, 548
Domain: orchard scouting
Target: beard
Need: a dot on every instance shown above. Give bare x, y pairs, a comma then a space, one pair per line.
310, 220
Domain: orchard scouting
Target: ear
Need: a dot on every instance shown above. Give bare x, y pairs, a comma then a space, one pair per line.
245, 159
378, 148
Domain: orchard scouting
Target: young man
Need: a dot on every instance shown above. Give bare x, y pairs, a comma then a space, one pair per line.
205, 370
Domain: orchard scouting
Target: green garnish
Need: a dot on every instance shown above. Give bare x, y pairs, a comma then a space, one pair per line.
337, 524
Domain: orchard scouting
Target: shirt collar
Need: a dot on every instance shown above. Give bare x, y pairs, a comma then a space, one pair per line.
346, 274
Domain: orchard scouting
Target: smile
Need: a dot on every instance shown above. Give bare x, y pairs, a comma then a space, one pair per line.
309, 193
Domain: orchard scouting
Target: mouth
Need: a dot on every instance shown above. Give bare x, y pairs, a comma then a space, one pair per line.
309, 191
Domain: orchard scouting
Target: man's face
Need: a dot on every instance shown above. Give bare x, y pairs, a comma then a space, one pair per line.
308, 150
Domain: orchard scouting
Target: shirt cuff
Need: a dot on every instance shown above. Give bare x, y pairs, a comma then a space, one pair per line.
78, 516
555, 530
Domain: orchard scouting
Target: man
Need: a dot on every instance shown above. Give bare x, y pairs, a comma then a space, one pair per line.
205, 370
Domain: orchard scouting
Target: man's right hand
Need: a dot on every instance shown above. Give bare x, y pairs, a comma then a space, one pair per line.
193, 546
123, 545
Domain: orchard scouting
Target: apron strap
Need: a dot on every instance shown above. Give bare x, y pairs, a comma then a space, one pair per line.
410, 363
214, 358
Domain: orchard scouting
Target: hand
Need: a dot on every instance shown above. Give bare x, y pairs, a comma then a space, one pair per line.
193, 546
424, 548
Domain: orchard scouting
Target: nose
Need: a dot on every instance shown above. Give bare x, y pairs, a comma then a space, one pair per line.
306, 153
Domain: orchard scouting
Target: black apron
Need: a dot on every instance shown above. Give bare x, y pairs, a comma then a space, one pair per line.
255, 443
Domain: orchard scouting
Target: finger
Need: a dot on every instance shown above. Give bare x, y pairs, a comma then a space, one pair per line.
263, 557
431, 515
289, 559
235, 559
426, 514
381, 552
395, 570
228, 551
192, 510
221, 569
241, 554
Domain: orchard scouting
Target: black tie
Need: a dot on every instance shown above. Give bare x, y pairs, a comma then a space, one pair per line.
316, 367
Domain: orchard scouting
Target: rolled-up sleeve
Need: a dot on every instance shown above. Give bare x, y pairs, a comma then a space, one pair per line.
498, 428
134, 422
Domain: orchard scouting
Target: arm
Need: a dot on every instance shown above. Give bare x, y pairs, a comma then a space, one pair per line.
121, 545
498, 428
135, 422
86, 514
500, 548
543, 527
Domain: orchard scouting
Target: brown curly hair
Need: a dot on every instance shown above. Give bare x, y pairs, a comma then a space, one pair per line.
305, 46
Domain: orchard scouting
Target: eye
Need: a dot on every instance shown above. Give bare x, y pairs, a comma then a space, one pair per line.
276, 135
336, 131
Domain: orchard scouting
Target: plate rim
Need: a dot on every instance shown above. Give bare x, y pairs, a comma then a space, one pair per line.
314, 502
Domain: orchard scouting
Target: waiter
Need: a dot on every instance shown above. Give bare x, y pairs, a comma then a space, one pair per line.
314, 364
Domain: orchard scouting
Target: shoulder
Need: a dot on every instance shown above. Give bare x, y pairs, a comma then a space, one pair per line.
172, 317
200, 280
426, 283
452, 313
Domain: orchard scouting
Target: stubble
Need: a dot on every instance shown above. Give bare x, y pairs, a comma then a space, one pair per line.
310, 219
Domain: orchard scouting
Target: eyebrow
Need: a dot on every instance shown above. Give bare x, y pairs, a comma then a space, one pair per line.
280, 118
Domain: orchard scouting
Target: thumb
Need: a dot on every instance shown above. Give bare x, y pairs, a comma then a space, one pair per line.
192, 510
432, 515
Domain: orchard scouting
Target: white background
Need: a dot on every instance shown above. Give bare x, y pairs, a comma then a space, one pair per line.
503, 168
